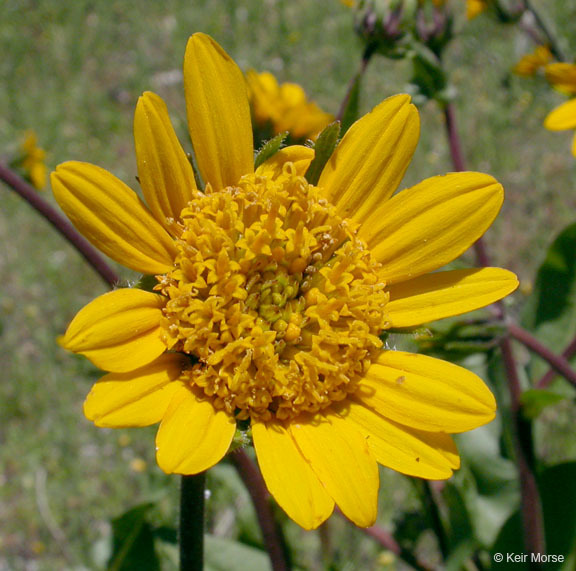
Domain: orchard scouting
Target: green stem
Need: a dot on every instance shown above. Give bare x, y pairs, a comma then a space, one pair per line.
191, 533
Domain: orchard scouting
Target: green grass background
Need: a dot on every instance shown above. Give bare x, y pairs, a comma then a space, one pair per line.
72, 71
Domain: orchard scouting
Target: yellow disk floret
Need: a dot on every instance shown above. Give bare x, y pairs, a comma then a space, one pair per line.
275, 298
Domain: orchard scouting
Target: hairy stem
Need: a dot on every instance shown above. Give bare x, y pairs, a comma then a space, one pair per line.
31, 196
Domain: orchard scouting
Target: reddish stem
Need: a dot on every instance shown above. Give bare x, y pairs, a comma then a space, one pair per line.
459, 165
256, 487
569, 352
558, 363
530, 498
31, 196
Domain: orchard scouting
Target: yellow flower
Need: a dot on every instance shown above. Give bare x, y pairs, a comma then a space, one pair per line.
563, 77
475, 7
272, 295
529, 64
284, 107
32, 161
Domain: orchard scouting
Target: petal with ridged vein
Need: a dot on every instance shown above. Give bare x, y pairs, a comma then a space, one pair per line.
218, 113
165, 173
370, 161
112, 217
426, 393
340, 457
193, 435
424, 227
136, 398
289, 477
118, 331
430, 455
444, 294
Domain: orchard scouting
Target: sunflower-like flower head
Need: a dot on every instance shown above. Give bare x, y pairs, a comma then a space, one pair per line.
272, 295
562, 76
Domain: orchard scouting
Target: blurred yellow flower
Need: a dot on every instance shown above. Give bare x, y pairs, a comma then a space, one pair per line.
284, 107
349, 3
529, 64
31, 161
138, 465
562, 76
272, 296
475, 7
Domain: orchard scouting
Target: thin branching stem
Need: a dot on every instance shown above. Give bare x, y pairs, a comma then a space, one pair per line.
459, 165
550, 38
557, 362
569, 352
31, 196
531, 506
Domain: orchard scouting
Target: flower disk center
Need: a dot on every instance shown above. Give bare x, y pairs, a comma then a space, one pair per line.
275, 297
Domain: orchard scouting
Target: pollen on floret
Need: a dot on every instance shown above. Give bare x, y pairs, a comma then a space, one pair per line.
274, 297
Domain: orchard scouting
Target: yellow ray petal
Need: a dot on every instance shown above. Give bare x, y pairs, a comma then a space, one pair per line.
563, 117
340, 457
112, 217
218, 113
424, 227
299, 155
288, 476
370, 161
430, 455
165, 173
193, 435
435, 296
118, 331
136, 398
426, 393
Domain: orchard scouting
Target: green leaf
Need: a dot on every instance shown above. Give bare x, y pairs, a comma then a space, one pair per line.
325, 145
270, 148
488, 482
227, 555
352, 108
550, 312
427, 74
558, 496
133, 542
534, 401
